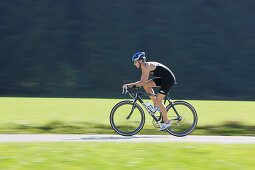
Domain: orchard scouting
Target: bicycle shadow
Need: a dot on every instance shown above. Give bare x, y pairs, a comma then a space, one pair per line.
117, 138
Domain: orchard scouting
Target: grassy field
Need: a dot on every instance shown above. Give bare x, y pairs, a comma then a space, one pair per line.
69, 115
91, 116
125, 156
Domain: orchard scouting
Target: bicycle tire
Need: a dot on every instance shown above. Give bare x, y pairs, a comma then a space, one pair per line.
173, 128
137, 110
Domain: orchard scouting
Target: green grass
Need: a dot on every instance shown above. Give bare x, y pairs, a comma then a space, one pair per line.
91, 116
59, 156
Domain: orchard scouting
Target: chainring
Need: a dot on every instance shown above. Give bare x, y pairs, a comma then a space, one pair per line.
155, 124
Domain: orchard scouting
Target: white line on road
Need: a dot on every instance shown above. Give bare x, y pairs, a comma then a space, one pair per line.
118, 138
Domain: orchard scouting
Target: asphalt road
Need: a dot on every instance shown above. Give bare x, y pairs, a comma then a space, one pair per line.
118, 138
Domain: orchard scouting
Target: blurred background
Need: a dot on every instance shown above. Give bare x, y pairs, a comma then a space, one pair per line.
84, 48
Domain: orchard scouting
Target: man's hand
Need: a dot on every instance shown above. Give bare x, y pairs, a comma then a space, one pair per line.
127, 85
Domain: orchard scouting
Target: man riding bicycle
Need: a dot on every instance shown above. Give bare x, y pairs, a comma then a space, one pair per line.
165, 79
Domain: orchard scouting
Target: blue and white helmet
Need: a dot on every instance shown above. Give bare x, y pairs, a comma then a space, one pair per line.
139, 55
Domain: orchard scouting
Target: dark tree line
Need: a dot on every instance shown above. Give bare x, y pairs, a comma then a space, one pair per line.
83, 48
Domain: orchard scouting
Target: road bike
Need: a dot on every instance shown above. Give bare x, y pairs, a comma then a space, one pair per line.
127, 117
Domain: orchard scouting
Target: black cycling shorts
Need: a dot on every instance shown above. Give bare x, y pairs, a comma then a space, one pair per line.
165, 84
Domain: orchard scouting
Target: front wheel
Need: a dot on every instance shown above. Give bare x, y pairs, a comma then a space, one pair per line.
122, 123
183, 124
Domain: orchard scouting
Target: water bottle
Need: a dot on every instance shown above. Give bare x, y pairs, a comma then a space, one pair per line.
150, 107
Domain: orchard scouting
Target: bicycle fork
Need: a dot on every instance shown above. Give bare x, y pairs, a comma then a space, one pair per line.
133, 107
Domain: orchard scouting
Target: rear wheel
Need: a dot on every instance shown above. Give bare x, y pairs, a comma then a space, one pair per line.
187, 121
121, 123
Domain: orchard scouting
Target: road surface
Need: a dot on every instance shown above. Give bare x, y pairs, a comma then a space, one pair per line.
118, 138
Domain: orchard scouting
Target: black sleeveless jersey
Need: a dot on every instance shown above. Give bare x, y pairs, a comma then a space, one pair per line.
162, 71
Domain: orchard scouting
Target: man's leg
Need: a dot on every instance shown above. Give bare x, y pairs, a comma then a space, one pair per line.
162, 107
148, 88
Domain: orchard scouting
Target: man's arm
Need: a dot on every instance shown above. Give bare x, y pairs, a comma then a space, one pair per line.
144, 77
143, 80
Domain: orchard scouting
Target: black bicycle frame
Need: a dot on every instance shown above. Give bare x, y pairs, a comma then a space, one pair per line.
137, 97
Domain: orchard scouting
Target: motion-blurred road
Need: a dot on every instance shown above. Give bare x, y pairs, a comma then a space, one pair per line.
118, 138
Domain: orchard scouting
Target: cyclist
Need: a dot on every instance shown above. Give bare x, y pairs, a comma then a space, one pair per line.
165, 79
